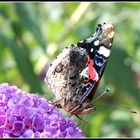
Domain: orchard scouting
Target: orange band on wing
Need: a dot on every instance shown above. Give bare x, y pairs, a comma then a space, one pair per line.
93, 75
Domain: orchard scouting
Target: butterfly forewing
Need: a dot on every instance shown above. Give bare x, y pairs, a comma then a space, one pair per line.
98, 48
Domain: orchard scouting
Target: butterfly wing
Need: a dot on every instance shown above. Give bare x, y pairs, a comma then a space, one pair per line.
98, 48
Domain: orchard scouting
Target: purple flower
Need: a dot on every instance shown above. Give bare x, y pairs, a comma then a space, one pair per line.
25, 115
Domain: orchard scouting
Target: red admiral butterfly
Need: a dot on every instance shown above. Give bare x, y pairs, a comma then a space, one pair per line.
65, 75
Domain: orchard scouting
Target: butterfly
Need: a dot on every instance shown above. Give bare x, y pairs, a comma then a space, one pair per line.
78, 96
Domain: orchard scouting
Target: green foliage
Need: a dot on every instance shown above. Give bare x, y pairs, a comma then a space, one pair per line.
28, 17
23, 63
32, 34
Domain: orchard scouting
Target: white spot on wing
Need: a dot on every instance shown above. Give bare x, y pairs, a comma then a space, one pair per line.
97, 77
96, 43
104, 51
91, 50
87, 88
81, 41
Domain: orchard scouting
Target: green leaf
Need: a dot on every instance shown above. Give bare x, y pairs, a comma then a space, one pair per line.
23, 63
27, 16
121, 74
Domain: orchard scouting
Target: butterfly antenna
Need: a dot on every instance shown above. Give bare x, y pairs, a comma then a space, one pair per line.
84, 121
114, 107
106, 91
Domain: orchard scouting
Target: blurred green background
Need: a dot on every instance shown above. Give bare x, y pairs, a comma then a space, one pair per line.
33, 34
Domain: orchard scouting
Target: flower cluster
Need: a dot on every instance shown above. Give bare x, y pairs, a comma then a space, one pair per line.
26, 115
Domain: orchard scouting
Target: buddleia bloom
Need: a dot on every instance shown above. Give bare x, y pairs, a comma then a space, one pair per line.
24, 115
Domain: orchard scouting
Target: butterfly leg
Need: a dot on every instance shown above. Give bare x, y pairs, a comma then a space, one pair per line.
84, 121
57, 103
71, 111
